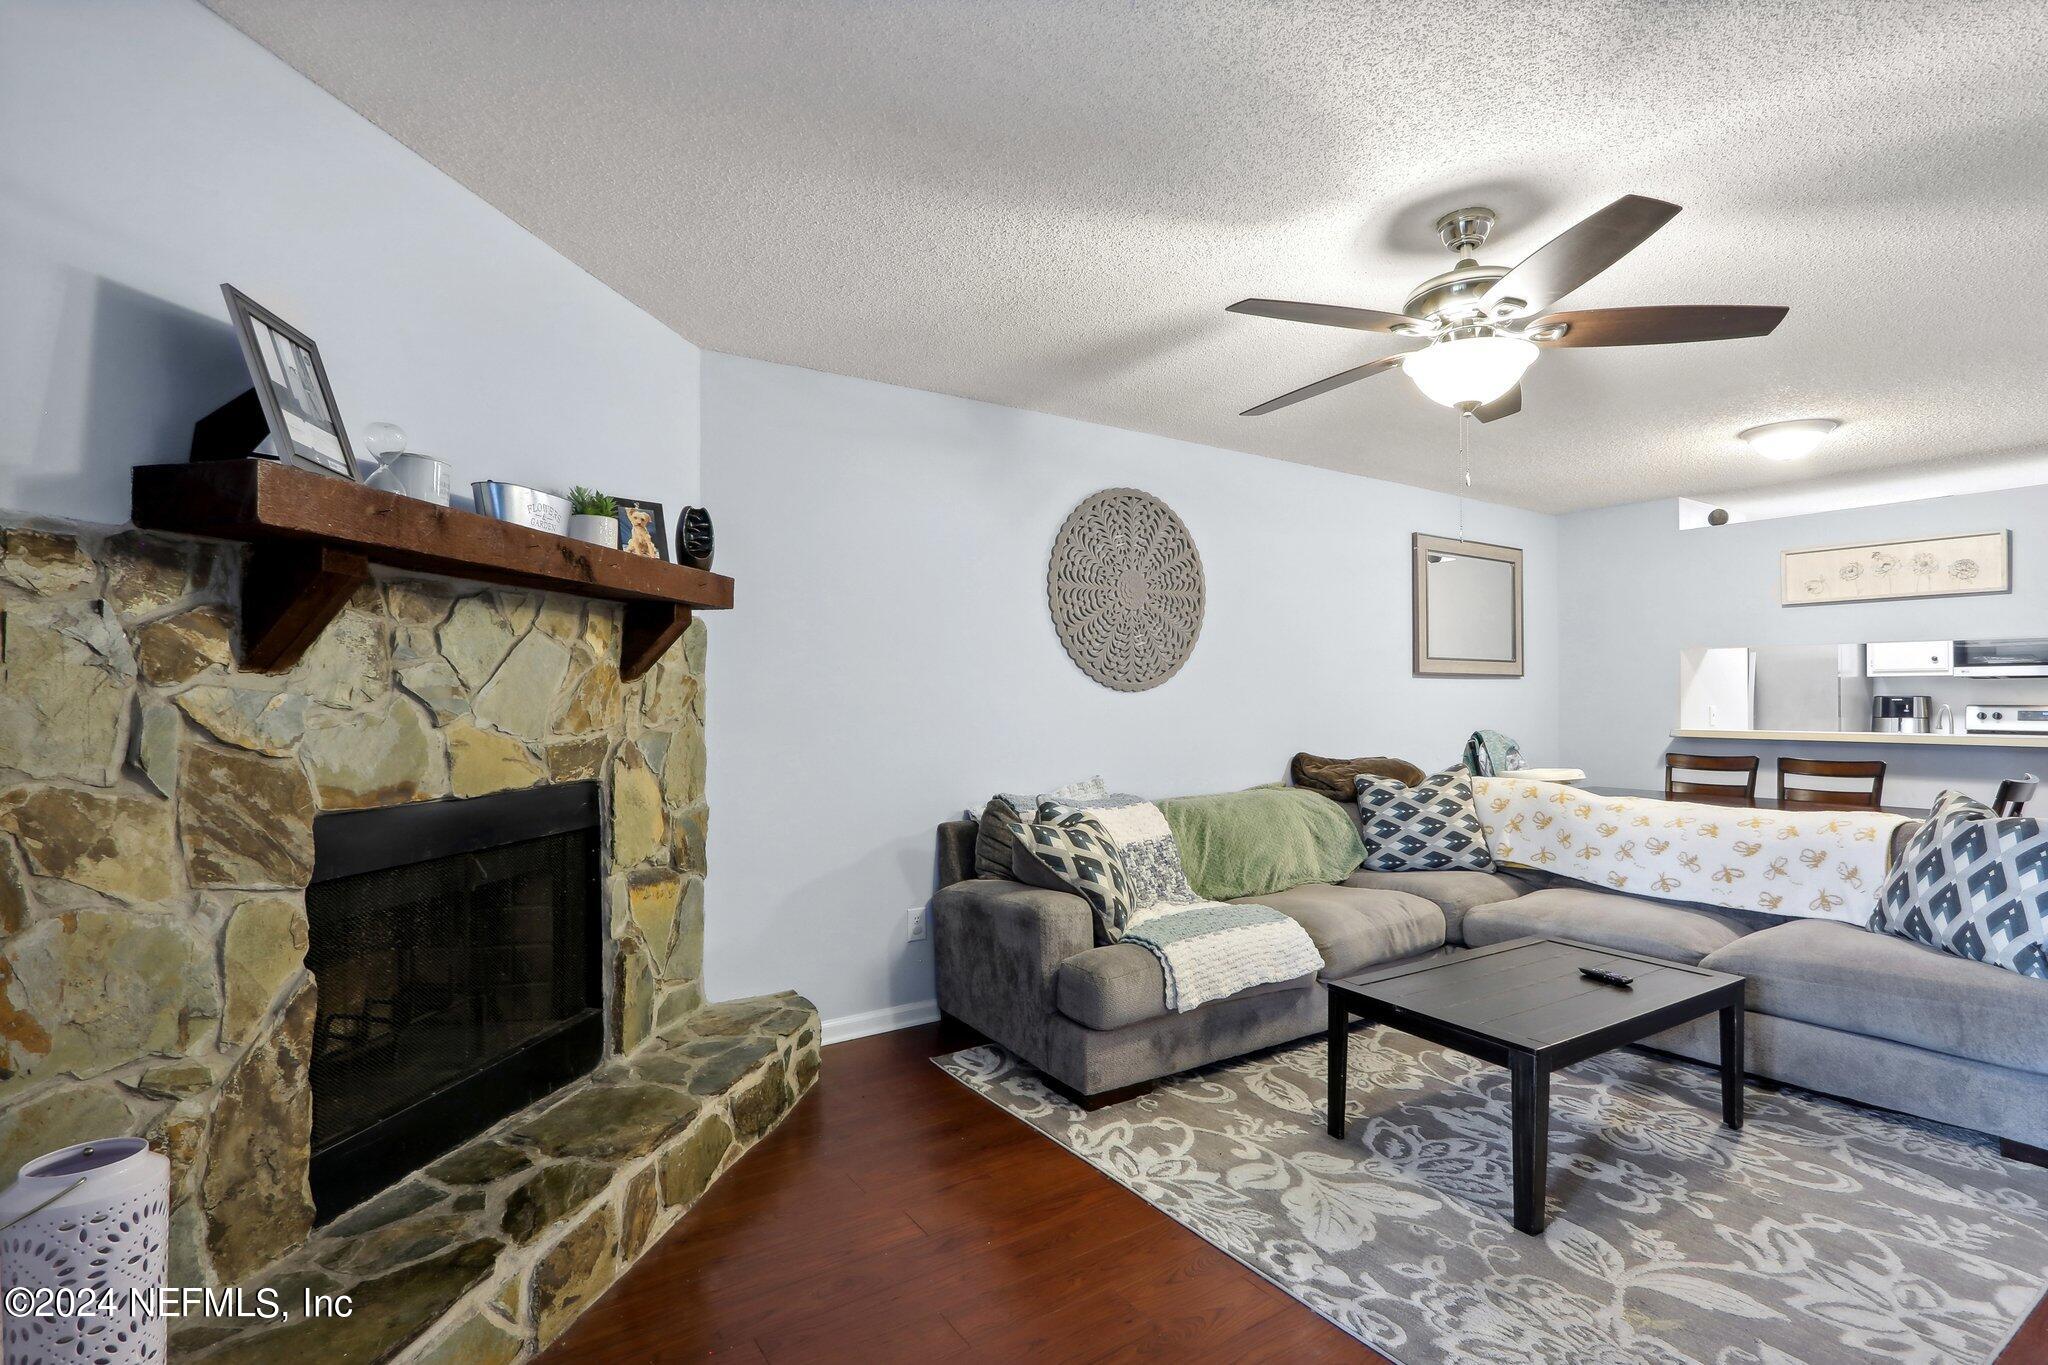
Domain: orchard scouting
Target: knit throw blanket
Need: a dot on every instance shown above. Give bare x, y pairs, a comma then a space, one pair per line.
1809, 864
1206, 949
1209, 950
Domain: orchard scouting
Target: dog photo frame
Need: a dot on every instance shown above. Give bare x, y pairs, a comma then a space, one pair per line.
643, 528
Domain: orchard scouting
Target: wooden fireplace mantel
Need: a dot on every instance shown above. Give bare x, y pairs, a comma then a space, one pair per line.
312, 540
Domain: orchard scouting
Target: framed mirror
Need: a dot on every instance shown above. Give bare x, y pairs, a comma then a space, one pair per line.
1468, 609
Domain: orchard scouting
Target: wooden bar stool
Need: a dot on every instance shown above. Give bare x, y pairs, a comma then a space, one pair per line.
2013, 795
1738, 793
1793, 796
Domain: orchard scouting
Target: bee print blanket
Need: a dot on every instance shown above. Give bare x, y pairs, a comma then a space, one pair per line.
1812, 864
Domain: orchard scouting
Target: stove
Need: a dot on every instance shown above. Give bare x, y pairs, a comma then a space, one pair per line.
2004, 718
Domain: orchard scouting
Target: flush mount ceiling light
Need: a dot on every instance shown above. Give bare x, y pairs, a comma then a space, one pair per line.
1793, 440
1467, 371
1485, 323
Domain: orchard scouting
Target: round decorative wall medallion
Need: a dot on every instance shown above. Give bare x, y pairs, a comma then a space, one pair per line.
1126, 590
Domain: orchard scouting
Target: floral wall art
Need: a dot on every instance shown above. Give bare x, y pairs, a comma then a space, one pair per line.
1126, 589
1942, 566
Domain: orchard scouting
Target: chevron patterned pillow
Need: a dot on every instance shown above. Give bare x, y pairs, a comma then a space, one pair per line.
1072, 852
1972, 883
1432, 826
992, 836
1144, 844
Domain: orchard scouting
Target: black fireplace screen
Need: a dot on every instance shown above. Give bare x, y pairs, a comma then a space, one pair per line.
456, 946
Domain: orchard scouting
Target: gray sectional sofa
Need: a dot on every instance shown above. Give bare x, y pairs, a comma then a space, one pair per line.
1832, 1007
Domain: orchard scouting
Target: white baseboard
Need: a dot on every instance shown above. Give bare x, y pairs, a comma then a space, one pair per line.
880, 1021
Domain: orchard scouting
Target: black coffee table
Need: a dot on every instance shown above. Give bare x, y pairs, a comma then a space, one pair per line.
1523, 1005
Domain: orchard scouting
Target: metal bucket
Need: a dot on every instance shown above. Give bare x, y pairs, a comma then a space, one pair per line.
522, 506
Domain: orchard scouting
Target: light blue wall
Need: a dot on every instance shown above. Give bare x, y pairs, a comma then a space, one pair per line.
1638, 590
892, 661
148, 152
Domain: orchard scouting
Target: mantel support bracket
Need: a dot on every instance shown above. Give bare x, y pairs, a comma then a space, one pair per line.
646, 631
289, 594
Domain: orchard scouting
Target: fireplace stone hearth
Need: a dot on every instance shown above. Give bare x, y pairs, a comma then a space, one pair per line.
491, 1252
156, 841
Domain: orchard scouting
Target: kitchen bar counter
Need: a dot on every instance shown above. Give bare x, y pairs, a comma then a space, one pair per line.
1742, 802
1871, 737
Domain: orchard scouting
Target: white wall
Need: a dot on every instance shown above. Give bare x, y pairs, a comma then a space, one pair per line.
891, 661
1639, 590
148, 152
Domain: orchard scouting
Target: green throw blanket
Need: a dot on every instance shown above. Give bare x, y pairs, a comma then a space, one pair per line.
1256, 842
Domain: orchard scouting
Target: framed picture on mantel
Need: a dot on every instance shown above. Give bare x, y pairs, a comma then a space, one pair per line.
291, 386
1888, 570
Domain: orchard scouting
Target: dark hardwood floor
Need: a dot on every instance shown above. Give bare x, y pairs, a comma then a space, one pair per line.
896, 1216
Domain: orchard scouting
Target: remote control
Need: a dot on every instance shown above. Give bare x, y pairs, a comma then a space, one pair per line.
1606, 977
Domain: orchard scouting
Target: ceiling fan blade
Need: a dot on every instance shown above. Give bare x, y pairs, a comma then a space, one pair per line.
1335, 381
1658, 326
1326, 314
1507, 405
1579, 253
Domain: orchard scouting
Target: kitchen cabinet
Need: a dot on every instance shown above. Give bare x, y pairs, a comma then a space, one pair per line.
1910, 659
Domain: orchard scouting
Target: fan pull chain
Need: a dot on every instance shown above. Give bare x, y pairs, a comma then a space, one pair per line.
1464, 463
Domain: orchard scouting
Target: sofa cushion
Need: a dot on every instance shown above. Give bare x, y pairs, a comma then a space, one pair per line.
1354, 928
1429, 827
1267, 839
992, 835
1453, 892
1070, 851
1842, 977
1974, 884
1144, 844
1123, 984
1605, 920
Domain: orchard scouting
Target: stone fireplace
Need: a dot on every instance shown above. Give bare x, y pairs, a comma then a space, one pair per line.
191, 941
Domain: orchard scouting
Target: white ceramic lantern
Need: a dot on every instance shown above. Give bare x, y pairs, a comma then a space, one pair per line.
85, 1225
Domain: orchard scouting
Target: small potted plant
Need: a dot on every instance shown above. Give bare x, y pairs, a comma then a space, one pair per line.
594, 516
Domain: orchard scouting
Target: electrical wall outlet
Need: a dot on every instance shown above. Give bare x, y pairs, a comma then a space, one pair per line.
918, 926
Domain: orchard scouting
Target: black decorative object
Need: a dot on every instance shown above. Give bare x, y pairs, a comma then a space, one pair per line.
231, 431
643, 530
694, 542
291, 401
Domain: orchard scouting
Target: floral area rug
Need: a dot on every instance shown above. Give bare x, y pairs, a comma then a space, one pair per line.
1821, 1233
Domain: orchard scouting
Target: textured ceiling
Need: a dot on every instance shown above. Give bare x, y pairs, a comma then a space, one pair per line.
1046, 203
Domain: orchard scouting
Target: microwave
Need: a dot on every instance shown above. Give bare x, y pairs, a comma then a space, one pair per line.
2001, 658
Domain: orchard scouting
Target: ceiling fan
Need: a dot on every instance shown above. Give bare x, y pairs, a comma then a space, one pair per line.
1486, 323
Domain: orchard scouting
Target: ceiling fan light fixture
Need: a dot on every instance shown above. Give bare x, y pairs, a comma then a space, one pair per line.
1793, 440
1484, 323
1469, 370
